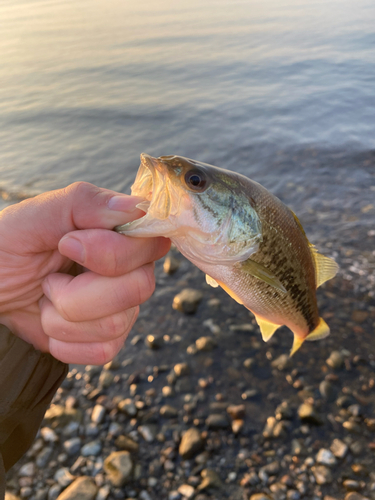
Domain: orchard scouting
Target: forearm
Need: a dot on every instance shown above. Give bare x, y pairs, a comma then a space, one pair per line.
28, 381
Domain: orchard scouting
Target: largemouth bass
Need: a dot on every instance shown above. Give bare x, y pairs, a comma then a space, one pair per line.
238, 233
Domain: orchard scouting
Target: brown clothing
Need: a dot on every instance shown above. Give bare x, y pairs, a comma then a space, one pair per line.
28, 382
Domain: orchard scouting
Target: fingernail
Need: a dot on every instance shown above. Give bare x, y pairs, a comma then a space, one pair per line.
72, 248
124, 203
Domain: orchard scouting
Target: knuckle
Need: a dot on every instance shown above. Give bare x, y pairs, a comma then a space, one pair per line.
115, 325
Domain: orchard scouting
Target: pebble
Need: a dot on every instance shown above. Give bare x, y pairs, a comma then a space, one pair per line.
54, 493
148, 432
43, 457
283, 362
98, 414
327, 390
187, 491
322, 474
354, 496
325, 457
307, 413
91, 448
335, 360
27, 469
72, 446
153, 342
351, 485
64, 477
105, 379
351, 426
339, 448
191, 443
210, 480
236, 411
168, 411
171, 264
83, 488
187, 300
128, 407
260, 496
57, 416
237, 426
284, 411
49, 435
249, 363
205, 344
217, 421
119, 467
181, 369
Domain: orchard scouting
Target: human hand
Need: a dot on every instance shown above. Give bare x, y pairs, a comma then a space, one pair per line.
79, 318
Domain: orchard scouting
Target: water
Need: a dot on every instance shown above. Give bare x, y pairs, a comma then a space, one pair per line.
86, 86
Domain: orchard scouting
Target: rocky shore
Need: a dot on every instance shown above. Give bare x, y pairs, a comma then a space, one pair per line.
197, 406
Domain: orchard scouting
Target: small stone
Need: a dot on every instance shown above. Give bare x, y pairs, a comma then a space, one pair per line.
293, 495
269, 427
284, 411
351, 426
249, 363
54, 492
335, 360
167, 391
148, 432
64, 477
57, 416
217, 421
322, 474
249, 394
355, 496
103, 493
105, 379
237, 426
339, 448
11, 496
187, 491
327, 390
49, 435
181, 369
282, 363
205, 344
43, 457
297, 448
210, 480
168, 411
174, 495
72, 446
191, 443
356, 448
98, 414
128, 407
91, 448
351, 485
27, 469
325, 457
171, 264
236, 411
154, 342
118, 466
271, 469
260, 496
187, 300
250, 479
308, 414
126, 443
83, 488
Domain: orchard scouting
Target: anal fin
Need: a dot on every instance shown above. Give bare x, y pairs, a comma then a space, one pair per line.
229, 292
267, 329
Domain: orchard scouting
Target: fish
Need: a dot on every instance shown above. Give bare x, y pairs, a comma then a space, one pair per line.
240, 235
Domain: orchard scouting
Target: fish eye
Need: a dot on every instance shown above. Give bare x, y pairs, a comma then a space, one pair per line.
196, 180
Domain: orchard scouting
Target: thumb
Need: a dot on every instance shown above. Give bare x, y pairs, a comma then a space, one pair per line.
37, 224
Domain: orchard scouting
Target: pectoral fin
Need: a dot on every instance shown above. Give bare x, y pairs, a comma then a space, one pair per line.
258, 271
320, 332
210, 281
267, 329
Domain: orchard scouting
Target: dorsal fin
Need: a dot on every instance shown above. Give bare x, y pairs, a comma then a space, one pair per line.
325, 267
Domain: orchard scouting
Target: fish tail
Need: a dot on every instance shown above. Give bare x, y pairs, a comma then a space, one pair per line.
320, 332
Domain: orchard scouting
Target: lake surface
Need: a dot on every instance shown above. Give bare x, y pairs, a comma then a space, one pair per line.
86, 86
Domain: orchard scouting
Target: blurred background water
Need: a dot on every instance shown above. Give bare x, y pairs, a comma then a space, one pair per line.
248, 85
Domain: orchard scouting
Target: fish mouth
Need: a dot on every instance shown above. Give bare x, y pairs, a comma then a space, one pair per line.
151, 183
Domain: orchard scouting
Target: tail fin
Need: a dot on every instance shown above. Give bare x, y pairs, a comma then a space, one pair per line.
320, 332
